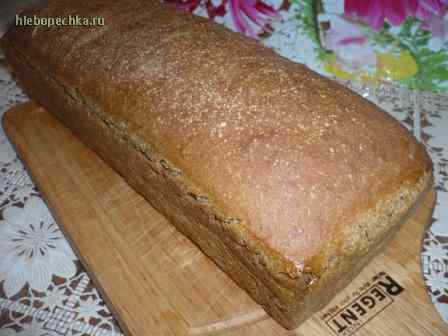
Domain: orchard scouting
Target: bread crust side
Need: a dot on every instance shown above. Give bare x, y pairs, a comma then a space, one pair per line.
262, 271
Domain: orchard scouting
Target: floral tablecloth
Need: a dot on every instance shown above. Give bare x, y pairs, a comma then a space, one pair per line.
394, 53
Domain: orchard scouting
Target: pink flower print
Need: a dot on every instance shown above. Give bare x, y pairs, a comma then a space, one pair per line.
426, 9
438, 26
346, 40
185, 5
245, 13
214, 11
376, 12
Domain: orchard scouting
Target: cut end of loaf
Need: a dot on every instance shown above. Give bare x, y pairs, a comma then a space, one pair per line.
353, 248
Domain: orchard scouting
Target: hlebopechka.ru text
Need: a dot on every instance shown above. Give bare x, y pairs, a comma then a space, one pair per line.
70, 20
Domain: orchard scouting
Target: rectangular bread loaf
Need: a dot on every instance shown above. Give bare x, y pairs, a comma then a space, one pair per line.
287, 180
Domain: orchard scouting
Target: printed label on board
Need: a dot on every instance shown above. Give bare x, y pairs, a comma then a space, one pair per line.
363, 305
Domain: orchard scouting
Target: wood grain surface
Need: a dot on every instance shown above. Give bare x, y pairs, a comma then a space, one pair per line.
158, 283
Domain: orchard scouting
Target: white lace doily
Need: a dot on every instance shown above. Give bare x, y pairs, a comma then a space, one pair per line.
44, 291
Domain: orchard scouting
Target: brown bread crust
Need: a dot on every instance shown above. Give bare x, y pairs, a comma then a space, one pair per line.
287, 180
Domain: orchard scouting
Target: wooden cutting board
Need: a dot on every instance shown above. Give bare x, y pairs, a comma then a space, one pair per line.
158, 283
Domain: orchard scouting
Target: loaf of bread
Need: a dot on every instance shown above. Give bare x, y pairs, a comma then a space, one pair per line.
287, 180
